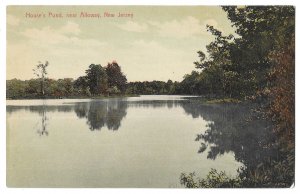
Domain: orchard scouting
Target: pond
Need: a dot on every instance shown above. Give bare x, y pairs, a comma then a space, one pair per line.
145, 141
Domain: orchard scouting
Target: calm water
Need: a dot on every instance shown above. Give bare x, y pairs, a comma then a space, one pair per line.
145, 141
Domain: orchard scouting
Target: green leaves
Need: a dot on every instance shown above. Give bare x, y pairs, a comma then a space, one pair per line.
97, 79
214, 179
116, 78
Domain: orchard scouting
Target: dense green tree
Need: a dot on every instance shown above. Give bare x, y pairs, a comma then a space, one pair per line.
115, 77
189, 84
33, 88
238, 66
81, 86
97, 79
219, 76
261, 30
15, 88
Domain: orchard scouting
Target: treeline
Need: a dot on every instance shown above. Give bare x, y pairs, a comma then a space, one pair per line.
256, 64
70, 88
154, 87
18, 89
97, 81
185, 87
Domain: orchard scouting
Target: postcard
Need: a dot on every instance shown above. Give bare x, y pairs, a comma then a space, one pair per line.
150, 96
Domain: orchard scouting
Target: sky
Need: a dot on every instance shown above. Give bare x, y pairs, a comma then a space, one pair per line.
151, 43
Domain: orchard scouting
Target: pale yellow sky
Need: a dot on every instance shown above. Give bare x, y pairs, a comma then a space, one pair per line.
153, 43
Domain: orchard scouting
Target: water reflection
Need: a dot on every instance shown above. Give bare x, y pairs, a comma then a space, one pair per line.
43, 129
230, 128
39, 108
234, 128
155, 103
102, 113
98, 114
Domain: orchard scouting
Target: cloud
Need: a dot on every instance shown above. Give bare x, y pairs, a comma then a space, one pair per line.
70, 28
184, 28
49, 35
46, 35
70, 54
62, 40
62, 47
133, 26
12, 20
155, 60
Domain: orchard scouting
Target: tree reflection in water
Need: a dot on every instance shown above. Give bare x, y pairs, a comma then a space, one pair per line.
231, 128
43, 130
234, 127
102, 113
97, 113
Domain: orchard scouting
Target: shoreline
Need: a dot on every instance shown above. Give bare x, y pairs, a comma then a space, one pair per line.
198, 100
73, 97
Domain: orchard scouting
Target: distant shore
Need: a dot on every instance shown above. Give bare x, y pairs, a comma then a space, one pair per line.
200, 100
74, 97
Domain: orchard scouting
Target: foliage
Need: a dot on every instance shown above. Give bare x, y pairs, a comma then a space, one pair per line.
237, 66
154, 87
282, 92
116, 79
53, 88
257, 64
114, 90
82, 87
96, 82
190, 83
97, 79
103, 80
214, 179
15, 88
